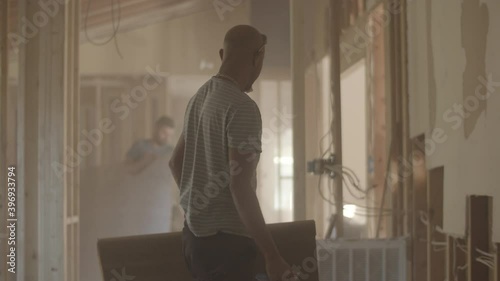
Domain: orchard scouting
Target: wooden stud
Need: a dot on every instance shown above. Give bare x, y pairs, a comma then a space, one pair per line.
379, 132
399, 92
4, 8
461, 260
456, 259
20, 151
335, 82
437, 257
406, 171
72, 116
395, 90
497, 271
361, 7
344, 10
48, 127
479, 227
451, 257
354, 11
419, 248
298, 97
29, 184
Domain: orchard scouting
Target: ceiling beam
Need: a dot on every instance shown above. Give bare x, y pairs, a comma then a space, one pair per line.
148, 18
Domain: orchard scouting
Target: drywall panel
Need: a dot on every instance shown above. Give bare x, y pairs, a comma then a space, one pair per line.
462, 133
443, 140
480, 157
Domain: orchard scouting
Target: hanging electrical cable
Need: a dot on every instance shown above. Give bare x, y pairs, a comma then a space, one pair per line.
321, 192
115, 22
349, 178
490, 255
486, 258
487, 262
332, 193
386, 211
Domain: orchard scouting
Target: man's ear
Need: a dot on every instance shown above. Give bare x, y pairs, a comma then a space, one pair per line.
221, 54
256, 59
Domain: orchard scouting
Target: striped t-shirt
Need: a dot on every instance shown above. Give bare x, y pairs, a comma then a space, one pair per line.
220, 116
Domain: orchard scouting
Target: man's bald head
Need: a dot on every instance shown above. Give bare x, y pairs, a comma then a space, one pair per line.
243, 39
243, 55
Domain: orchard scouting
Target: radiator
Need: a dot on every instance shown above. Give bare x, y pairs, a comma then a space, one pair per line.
362, 260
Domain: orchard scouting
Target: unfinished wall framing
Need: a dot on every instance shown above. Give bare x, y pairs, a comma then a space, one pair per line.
47, 139
369, 34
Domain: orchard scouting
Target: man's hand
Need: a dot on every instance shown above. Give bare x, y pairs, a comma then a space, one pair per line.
279, 270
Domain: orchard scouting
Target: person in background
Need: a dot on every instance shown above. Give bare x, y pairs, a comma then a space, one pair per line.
147, 160
144, 152
214, 164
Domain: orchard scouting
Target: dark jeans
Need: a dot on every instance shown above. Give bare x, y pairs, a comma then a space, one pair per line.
221, 257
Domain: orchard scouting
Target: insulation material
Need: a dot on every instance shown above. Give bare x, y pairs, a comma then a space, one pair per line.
463, 133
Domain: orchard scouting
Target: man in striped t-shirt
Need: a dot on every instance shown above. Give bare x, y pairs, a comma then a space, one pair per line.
214, 165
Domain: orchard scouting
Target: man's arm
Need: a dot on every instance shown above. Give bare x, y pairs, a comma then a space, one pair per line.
243, 190
135, 167
243, 185
177, 159
245, 124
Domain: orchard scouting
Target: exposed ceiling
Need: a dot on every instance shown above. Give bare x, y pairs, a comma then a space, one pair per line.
97, 15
